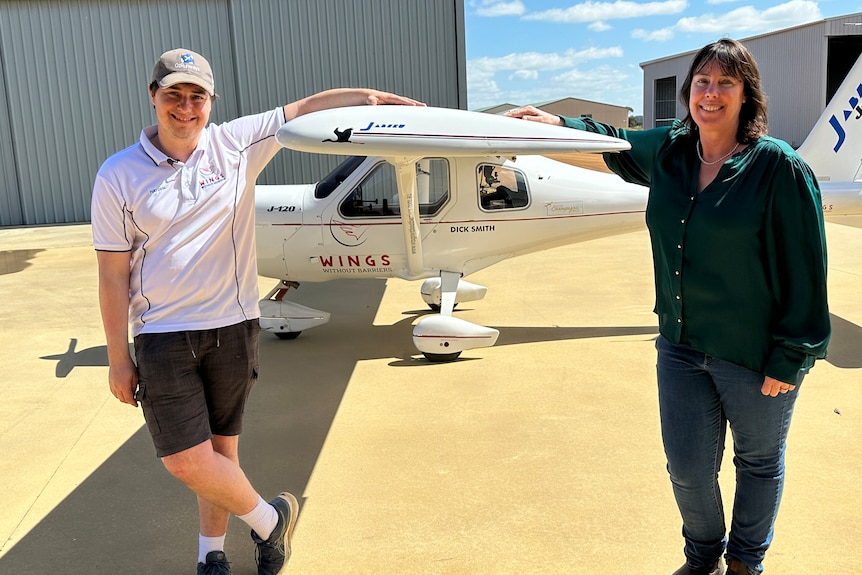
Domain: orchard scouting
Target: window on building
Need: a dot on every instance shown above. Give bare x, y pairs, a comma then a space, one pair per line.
665, 101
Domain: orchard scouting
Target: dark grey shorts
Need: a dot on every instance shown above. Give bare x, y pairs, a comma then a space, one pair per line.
193, 385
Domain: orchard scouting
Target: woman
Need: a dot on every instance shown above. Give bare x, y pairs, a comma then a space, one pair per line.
739, 257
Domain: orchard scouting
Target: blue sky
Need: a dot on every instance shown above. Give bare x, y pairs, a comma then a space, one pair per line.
528, 51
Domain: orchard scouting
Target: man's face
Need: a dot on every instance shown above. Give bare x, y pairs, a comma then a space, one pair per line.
182, 111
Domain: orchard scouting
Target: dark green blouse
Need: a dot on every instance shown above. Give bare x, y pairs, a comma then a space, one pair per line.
740, 268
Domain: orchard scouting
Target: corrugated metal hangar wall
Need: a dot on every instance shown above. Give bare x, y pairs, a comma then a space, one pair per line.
801, 68
73, 77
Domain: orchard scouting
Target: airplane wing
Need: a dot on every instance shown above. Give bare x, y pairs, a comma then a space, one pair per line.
408, 131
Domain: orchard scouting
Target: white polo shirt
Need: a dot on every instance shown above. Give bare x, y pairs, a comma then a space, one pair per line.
189, 226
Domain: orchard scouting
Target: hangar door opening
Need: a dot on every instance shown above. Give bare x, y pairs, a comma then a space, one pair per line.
843, 51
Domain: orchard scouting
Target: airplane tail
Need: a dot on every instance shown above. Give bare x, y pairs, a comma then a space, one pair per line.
833, 149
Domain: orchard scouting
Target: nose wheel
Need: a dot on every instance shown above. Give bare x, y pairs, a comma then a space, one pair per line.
442, 357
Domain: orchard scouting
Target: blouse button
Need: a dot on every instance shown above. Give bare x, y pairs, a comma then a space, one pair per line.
682, 221
676, 272
679, 320
679, 246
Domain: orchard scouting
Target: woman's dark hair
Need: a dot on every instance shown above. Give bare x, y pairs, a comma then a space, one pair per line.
735, 60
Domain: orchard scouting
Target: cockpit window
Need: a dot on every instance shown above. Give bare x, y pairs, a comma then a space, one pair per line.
377, 194
334, 178
501, 187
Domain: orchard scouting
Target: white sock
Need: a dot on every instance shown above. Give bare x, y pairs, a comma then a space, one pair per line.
207, 544
262, 519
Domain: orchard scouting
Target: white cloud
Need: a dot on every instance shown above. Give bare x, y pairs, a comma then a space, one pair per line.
494, 8
540, 61
591, 11
599, 26
745, 19
525, 75
660, 35
527, 78
621, 86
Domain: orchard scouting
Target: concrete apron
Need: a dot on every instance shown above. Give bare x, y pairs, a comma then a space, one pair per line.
540, 455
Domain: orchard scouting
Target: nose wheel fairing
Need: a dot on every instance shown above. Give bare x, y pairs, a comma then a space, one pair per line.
443, 337
440, 337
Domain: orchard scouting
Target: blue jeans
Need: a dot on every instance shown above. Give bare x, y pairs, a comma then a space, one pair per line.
698, 396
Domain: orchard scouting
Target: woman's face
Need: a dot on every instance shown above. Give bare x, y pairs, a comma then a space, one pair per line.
715, 99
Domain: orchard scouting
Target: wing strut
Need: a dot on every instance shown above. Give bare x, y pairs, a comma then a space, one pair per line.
405, 169
448, 288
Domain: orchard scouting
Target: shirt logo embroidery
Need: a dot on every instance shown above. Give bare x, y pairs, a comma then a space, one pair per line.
209, 176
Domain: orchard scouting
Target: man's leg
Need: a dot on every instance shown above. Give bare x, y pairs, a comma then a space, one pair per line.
193, 388
213, 518
224, 487
214, 478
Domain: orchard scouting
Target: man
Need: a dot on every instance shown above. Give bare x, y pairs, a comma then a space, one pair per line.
173, 229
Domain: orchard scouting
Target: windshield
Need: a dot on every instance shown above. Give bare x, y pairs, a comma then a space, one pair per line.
332, 180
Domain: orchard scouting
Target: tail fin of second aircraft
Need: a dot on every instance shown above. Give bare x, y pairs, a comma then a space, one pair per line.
833, 149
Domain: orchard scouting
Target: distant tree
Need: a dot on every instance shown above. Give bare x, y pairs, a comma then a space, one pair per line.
636, 122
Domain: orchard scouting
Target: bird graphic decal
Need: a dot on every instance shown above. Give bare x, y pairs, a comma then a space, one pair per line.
343, 136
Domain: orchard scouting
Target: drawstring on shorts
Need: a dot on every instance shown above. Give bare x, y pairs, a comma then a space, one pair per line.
192, 349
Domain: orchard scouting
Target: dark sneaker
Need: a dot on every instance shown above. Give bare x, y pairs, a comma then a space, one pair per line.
273, 554
216, 564
737, 567
717, 569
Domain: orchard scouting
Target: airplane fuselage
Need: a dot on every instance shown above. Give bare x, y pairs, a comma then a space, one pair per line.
474, 212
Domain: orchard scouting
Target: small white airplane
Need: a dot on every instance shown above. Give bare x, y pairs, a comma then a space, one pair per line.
438, 194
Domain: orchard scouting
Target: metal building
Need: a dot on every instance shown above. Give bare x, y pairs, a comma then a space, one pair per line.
801, 68
617, 116
73, 77
574, 108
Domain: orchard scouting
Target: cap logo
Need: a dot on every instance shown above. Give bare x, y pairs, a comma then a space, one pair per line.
187, 62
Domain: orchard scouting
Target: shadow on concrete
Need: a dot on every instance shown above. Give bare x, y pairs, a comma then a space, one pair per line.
89, 357
13, 261
844, 348
130, 516
394, 341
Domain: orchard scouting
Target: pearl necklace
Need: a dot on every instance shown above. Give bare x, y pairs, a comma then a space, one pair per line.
698, 147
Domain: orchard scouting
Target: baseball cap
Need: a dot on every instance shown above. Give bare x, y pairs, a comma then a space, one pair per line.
181, 66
